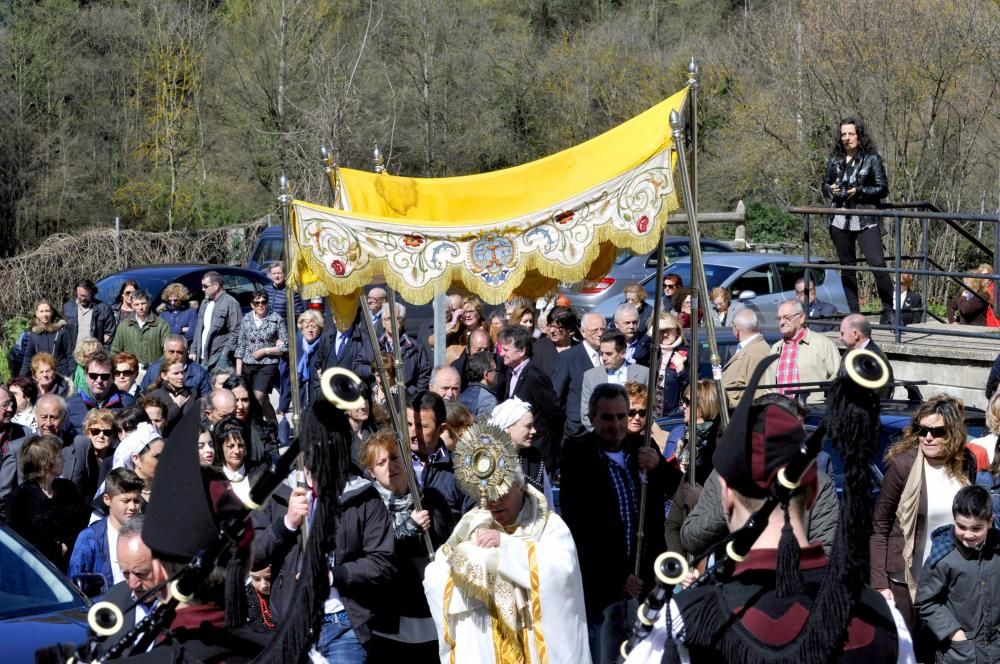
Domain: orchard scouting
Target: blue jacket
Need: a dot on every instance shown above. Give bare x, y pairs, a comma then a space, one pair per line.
77, 407
90, 554
478, 399
195, 378
178, 319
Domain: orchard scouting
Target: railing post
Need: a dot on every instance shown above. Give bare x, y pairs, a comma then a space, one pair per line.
924, 264
897, 306
806, 249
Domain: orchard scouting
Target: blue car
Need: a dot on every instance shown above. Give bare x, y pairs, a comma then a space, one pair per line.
38, 605
238, 282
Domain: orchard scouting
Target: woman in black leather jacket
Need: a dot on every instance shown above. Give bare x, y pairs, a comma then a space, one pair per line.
855, 179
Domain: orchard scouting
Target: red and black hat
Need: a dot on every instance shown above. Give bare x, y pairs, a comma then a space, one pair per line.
759, 441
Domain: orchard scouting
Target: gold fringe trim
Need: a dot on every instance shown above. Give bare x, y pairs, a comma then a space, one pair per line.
536, 604
448, 588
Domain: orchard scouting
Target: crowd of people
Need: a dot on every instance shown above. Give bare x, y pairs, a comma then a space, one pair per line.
551, 554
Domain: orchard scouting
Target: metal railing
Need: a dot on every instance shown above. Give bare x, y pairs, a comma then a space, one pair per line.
924, 213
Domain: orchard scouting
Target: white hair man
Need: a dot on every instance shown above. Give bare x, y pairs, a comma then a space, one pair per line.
749, 352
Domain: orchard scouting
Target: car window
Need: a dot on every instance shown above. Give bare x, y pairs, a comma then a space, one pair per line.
715, 275
789, 274
269, 250
759, 280
675, 251
28, 585
240, 287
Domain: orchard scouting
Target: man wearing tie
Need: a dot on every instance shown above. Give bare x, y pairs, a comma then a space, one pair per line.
530, 384
615, 369
567, 377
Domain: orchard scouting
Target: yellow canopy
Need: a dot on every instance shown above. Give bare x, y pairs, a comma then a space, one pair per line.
526, 228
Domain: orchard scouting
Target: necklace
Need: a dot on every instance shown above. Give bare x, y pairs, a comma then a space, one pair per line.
265, 612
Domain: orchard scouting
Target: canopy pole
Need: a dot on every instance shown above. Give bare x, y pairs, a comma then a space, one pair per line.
285, 202
651, 385
330, 168
403, 432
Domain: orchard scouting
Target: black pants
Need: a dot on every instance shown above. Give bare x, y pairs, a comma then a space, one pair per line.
870, 240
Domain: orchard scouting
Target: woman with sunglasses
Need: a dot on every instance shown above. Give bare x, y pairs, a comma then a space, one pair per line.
99, 429
923, 472
673, 374
122, 306
263, 339
179, 315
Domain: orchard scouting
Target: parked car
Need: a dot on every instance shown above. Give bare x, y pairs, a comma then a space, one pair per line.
40, 607
760, 281
630, 268
238, 282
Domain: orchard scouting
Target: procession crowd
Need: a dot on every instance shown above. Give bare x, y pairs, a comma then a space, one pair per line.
556, 561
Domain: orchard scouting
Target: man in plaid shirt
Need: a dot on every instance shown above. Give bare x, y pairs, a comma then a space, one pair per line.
805, 356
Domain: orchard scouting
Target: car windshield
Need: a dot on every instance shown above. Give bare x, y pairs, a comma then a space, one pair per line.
107, 289
29, 585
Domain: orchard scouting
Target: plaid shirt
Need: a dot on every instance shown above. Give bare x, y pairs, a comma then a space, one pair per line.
621, 480
788, 363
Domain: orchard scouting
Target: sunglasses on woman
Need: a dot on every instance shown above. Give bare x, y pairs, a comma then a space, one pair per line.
936, 432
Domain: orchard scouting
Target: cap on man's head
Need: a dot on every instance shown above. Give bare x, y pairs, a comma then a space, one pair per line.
759, 441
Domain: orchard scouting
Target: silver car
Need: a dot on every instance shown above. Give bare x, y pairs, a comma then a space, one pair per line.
761, 281
630, 268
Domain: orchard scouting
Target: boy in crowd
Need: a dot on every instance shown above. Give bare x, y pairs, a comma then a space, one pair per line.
96, 546
959, 592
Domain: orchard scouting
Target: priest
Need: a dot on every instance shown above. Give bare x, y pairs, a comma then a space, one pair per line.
506, 585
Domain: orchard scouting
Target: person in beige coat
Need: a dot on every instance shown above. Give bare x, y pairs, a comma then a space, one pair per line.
805, 356
751, 350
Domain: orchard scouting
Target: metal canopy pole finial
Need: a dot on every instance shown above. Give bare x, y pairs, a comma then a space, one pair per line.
377, 159
285, 202
693, 72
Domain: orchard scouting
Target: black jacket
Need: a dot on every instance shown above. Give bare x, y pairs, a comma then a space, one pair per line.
363, 552
872, 184
590, 509
534, 387
102, 321
416, 364
56, 341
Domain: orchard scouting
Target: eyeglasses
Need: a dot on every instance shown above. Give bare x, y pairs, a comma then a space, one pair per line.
97, 431
936, 432
259, 303
671, 286
120, 372
787, 319
686, 402
93, 375
7, 405
204, 286
128, 292
637, 412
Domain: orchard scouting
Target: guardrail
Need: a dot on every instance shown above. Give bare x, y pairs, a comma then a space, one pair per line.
925, 213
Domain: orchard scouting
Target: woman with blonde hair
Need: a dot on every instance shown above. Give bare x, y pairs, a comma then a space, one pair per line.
178, 314
923, 472
673, 374
82, 354
970, 305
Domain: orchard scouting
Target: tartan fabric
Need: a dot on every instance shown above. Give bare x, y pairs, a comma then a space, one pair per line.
788, 363
621, 480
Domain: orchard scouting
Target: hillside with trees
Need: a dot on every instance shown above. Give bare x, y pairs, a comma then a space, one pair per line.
179, 114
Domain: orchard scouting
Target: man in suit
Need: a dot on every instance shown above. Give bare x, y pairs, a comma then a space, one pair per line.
218, 327
530, 384
416, 362
567, 377
140, 575
636, 339
11, 435
817, 308
479, 341
856, 333
615, 370
752, 348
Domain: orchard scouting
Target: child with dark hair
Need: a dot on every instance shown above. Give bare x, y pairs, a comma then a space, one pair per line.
959, 592
258, 588
96, 547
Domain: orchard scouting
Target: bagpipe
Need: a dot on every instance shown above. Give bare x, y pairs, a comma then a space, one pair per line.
863, 373
344, 391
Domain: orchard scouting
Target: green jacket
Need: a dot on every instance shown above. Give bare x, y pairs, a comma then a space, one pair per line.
146, 343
